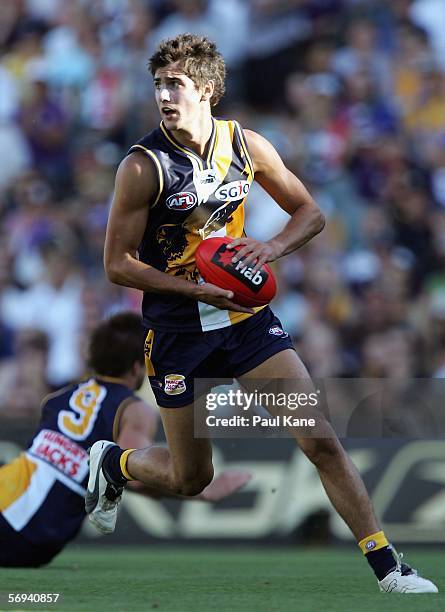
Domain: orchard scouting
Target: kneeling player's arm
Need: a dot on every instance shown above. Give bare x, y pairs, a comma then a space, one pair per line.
290, 194
135, 189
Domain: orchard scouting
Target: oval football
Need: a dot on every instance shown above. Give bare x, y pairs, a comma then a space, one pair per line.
214, 262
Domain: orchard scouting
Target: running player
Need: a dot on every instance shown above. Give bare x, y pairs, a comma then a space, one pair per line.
183, 182
42, 491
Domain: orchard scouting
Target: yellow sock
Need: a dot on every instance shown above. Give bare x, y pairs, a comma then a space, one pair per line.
123, 463
373, 542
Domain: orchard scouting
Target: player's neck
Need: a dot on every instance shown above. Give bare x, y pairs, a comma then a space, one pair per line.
197, 136
126, 380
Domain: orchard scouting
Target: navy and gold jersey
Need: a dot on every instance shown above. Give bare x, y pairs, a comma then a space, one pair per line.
197, 198
42, 491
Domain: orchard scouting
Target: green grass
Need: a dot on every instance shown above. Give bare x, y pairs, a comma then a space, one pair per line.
133, 579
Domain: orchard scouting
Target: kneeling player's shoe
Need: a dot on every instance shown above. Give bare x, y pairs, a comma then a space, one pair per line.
103, 497
404, 579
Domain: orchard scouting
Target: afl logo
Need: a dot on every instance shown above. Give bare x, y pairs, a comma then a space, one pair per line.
181, 201
277, 331
236, 190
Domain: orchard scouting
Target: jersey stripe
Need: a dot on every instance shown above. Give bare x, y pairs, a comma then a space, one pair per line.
15, 479
237, 317
25, 507
212, 318
158, 167
223, 148
245, 150
212, 143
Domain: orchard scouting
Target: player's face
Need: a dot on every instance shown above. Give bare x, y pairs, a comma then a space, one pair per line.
177, 97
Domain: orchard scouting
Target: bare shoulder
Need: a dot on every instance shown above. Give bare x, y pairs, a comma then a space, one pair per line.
256, 142
137, 177
137, 425
264, 155
139, 413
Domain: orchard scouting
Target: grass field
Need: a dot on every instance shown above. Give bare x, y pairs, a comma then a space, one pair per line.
133, 579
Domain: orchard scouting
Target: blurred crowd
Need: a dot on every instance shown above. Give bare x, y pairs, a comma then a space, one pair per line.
350, 92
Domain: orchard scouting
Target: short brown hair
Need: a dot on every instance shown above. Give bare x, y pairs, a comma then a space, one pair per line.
197, 56
116, 344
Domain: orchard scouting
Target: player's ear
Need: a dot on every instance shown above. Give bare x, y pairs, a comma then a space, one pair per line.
207, 91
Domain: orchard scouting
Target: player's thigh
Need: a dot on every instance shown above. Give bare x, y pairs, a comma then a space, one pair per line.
288, 374
190, 456
285, 364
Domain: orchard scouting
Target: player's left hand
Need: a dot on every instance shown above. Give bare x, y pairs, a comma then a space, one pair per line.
254, 251
225, 484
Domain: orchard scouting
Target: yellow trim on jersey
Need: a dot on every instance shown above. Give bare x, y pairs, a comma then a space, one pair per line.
212, 143
235, 228
159, 169
190, 154
118, 416
54, 394
223, 150
123, 463
15, 478
245, 149
237, 317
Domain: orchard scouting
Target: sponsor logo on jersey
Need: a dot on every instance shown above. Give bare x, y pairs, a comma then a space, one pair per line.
223, 259
174, 384
276, 330
62, 453
181, 201
231, 192
206, 177
370, 544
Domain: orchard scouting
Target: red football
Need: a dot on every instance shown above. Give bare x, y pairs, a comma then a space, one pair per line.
214, 261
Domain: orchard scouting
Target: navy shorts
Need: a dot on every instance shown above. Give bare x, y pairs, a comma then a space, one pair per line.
174, 360
16, 551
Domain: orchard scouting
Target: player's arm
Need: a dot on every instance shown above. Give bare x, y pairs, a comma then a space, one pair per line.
137, 428
290, 194
135, 189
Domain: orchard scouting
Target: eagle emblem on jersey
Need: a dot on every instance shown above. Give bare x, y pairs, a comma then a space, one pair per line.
172, 240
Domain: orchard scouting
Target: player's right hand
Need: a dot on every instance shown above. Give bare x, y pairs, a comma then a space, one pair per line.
221, 298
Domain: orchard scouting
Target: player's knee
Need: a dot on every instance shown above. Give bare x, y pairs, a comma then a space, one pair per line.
193, 483
321, 451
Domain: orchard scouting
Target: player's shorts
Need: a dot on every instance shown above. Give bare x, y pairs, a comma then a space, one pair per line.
174, 360
16, 551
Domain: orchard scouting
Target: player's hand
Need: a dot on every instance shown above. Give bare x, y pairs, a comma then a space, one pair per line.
221, 298
254, 251
224, 485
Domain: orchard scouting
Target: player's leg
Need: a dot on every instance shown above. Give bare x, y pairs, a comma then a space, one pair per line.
341, 480
184, 468
344, 486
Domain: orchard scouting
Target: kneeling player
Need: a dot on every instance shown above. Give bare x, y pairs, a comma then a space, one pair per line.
42, 491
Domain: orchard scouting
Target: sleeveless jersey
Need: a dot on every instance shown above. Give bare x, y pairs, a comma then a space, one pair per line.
42, 491
197, 198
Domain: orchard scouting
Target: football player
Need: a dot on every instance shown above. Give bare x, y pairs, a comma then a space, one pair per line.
42, 491
183, 182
